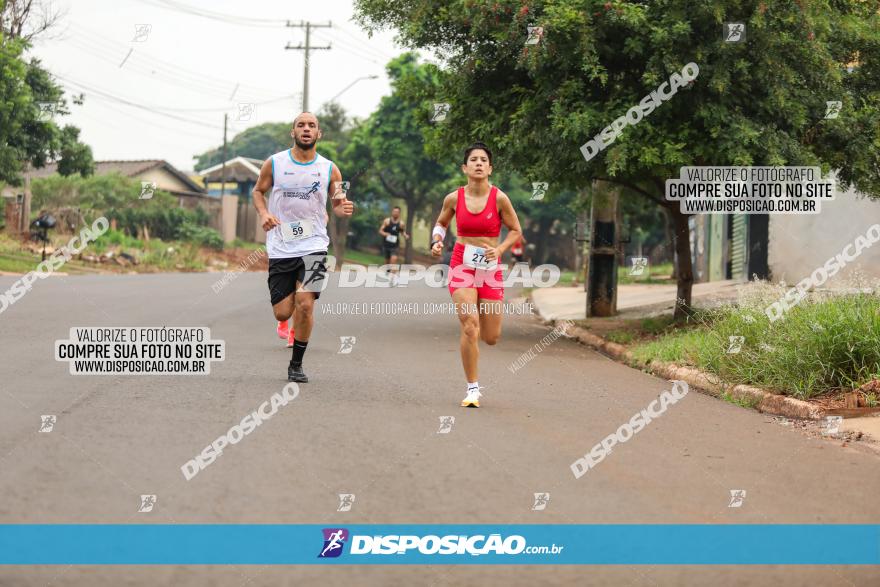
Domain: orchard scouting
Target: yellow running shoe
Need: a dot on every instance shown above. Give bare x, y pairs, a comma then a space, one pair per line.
472, 400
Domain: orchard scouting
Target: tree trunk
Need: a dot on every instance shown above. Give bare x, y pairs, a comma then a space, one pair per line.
670, 240
410, 220
683, 262
338, 236
541, 245
580, 257
604, 241
13, 216
621, 246
436, 208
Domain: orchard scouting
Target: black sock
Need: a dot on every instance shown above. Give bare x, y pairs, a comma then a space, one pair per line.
299, 349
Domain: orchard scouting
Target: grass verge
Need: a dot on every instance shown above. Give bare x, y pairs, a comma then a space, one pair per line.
821, 346
352, 256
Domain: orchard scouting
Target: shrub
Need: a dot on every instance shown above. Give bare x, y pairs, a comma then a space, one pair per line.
202, 235
823, 344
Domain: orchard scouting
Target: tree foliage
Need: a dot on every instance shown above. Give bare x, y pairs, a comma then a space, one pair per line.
27, 19
757, 102
261, 141
390, 147
29, 101
117, 197
74, 156
257, 142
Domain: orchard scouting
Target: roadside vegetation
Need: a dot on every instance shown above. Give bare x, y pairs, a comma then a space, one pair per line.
654, 274
825, 346
146, 235
113, 252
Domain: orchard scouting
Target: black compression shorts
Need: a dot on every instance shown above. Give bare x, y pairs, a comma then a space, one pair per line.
310, 271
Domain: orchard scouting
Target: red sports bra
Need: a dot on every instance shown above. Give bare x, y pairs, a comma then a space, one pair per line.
486, 223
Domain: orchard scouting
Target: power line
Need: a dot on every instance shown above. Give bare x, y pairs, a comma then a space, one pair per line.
160, 69
226, 108
361, 50
150, 123
137, 69
365, 43
150, 109
158, 110
96, 40
218, 16
340, 44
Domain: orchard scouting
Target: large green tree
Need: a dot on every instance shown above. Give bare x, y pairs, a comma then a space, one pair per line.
757, 102
30, 100
391, 147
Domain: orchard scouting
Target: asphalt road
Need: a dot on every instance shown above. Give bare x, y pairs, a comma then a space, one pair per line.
367, 425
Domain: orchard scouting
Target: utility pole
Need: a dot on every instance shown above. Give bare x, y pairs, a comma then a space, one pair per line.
306, 48
604, 239
223, 166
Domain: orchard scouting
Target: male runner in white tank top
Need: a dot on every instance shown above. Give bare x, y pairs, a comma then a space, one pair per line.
285, 329
298, 181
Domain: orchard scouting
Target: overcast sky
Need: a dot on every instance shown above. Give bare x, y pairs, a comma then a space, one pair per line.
160, 93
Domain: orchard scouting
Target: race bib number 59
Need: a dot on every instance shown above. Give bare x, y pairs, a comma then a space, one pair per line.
476, 257
294, 231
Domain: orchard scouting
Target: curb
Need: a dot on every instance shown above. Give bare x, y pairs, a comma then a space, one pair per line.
766, 402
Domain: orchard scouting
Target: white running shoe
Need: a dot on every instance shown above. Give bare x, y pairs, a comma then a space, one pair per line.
473, 399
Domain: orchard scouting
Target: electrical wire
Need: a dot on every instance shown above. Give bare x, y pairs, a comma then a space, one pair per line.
365, 42
226, 108
127, 102
218, 16
134, 68
84, 36
353, 38
153, 125
339, 44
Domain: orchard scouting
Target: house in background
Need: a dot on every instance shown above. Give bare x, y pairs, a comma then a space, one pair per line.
166, 176
784, 247
799, 244
190, 194
239, 175
728, 246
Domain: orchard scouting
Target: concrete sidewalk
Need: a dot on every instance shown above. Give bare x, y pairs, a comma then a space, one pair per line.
633, 301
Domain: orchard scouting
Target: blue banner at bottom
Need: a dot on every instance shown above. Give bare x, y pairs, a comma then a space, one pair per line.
526, 544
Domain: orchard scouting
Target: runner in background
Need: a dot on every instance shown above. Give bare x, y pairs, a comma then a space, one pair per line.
517, 251
391, 231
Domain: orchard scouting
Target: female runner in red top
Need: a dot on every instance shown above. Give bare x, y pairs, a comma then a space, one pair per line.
475, 282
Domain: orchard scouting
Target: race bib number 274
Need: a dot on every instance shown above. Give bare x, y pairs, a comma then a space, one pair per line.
476, 257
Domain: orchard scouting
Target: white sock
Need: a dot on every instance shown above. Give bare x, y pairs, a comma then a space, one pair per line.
473, 386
